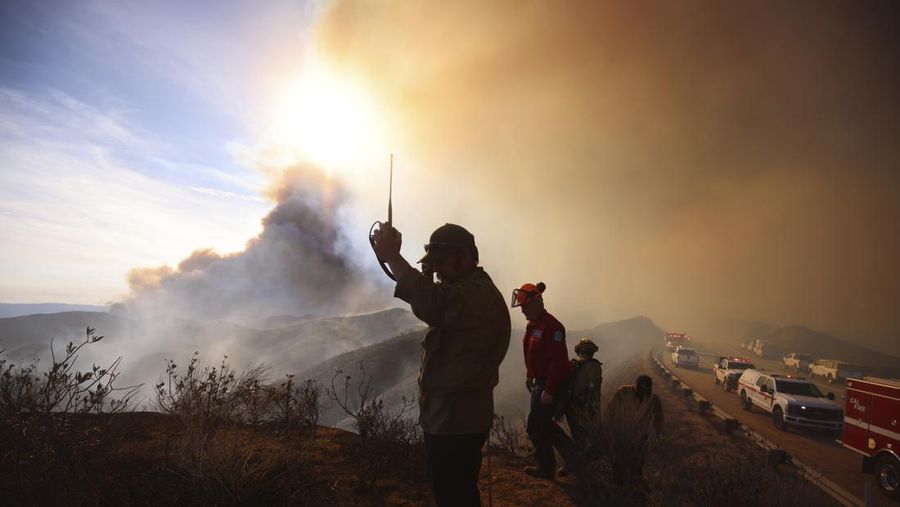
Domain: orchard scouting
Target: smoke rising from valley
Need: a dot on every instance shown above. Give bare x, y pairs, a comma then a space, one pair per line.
300, 264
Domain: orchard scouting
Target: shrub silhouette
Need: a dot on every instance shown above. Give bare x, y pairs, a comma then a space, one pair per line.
391, 438
50, 421
509, 436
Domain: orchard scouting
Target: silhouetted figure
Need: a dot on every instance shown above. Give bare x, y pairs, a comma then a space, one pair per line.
582, 400
632, 413
467, 338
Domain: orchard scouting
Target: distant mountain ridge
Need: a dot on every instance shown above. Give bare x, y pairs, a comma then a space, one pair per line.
145, 344
393, 365
19, 309
796, 338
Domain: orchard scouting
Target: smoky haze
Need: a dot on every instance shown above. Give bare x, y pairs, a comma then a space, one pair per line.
300, 264
689, 161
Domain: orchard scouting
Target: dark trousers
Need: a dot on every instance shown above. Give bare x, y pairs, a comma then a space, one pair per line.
545, 434
454, 462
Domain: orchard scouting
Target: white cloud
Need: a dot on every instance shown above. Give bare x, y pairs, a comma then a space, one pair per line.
75, 217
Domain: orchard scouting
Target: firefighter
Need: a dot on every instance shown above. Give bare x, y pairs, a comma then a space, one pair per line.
547, 366
468, 336
583, 411
633, 411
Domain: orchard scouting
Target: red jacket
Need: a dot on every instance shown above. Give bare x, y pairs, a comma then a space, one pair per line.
546, 354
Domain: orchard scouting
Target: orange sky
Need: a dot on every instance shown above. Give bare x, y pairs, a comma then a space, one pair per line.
686, 160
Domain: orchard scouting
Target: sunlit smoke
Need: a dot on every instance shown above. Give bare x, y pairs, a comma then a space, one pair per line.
300, 264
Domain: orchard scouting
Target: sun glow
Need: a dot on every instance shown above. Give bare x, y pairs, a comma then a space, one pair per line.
329, 120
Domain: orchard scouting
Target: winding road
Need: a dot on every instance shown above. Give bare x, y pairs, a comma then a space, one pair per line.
816, 448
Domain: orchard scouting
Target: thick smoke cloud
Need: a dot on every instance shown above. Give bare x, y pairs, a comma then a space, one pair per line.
689, 161
300, 264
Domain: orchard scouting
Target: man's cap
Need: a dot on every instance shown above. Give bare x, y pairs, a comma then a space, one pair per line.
449, 237
526, 293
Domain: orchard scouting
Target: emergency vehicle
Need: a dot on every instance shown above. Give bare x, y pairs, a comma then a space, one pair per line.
729, 369
685, 357
834, 370
872, 428
674, 341
792, 401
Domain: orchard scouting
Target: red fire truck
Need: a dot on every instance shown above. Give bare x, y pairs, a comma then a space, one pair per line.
674, 340
872, 428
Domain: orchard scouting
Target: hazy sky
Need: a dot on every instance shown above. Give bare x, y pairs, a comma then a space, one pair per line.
685, 160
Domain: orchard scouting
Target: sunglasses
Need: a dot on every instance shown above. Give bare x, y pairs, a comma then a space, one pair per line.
440, 246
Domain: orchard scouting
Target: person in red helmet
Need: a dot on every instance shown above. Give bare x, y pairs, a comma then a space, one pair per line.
547, 366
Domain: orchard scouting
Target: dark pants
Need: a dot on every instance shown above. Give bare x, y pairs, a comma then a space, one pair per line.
545, 434
454, 462
628, 469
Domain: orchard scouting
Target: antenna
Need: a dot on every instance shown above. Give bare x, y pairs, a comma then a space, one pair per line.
390, 220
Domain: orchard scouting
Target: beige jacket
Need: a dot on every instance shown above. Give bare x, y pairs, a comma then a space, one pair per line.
467, 339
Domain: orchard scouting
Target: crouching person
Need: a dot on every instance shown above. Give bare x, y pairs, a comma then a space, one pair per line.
632, 414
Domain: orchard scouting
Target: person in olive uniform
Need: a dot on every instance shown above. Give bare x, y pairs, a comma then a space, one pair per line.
468, 336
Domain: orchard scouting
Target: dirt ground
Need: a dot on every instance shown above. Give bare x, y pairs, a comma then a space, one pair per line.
142, 459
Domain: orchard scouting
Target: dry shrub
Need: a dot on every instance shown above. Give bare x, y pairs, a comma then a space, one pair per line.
51, 421
740, 480
509, 436
234, 474
392, 441
209, 398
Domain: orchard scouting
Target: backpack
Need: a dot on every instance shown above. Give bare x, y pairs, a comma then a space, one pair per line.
588, 395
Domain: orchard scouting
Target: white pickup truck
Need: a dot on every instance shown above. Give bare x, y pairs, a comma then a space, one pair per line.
834, 370
792, 401
727, 371
797, 361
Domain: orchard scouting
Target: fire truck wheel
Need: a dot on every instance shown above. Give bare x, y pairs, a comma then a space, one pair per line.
745, 401
778, 419
887, 472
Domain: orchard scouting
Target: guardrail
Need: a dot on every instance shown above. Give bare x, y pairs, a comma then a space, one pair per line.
775, 454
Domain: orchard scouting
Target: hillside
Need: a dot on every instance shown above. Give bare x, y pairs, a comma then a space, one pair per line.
823, 346
19, 309
143, 458
393, 364
144, 344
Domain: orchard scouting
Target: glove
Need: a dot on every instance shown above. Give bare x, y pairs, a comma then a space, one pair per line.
529, 383
546, 399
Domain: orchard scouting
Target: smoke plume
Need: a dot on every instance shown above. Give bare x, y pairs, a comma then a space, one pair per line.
300, 264
685, 160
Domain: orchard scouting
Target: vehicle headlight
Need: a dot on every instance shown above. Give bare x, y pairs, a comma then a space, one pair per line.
793, 409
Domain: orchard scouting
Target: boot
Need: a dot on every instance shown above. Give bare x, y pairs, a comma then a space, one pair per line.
538, 472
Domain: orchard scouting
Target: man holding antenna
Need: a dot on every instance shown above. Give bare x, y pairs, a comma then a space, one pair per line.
467, 338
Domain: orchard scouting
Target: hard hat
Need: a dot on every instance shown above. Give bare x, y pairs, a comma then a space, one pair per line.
586, 347
526, 293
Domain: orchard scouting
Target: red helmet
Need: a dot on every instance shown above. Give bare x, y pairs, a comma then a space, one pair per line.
526, 293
